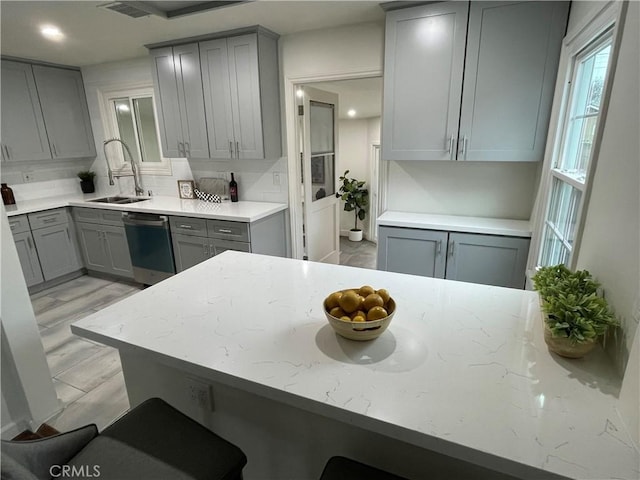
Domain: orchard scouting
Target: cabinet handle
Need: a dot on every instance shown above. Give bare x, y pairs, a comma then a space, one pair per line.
68, 236
180, 149
238, 150
452, 244
439, 250
29, 243
463, 148
205, 250
13, 226
451, 151
187, 149
224, 230
6, 149
53, 147
49, 220
188, 227
230, 149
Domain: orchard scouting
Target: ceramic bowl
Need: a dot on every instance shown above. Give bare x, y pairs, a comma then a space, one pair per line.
362, 330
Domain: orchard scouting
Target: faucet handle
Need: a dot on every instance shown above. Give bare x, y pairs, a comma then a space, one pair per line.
149, 193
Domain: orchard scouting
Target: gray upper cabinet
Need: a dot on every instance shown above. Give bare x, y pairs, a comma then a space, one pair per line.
65, 111
487, 259
24, 136
178, 89
513, 51
240, 80
424, 60
491, 103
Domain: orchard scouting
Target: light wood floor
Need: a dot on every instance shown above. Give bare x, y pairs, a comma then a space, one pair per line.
87, 375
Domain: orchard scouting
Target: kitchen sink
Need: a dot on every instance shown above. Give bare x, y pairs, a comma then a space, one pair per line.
118, 200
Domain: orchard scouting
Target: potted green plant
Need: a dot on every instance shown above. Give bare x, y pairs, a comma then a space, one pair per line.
575, 315
86, 181
356, 200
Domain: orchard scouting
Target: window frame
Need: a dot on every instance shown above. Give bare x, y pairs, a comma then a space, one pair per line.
602, 23
107, 97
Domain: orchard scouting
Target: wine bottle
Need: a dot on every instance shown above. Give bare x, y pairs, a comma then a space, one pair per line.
7, 195
233, 189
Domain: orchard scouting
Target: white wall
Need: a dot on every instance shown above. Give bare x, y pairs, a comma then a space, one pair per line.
255, 178
28, 395
356, 137
610, 246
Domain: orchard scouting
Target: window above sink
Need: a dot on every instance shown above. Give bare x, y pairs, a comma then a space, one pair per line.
128, 113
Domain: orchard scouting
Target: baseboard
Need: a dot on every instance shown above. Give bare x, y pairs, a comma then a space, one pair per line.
11, 429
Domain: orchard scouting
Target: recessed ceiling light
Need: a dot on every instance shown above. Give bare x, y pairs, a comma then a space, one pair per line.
300, 93
351, 112
51, 32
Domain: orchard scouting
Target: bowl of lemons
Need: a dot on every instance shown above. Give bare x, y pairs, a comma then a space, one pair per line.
359, 313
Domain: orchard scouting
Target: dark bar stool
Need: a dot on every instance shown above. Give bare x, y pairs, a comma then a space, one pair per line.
341, 468
154, 440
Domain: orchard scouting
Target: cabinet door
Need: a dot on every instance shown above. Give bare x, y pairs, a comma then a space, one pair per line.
28, 258
117, 251
244, 80
189, 250
190, 97
65, 110
413, 251
24, 136
510, 72
487, 259
90, 238
217, 97
56, 250
424, 59
218, 246
166, 95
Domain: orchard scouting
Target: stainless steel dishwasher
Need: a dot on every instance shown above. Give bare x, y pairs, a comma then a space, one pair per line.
150, 246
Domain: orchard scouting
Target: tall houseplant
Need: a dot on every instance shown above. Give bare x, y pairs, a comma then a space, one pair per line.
356, 200
575, 314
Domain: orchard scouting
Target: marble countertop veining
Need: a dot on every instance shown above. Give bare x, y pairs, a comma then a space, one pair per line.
242, 211
462, 369
456, 223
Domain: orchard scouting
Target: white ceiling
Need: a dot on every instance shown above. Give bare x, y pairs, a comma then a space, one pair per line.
95, 35
364, 95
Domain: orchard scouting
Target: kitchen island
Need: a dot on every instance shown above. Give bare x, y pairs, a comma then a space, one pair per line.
240, 343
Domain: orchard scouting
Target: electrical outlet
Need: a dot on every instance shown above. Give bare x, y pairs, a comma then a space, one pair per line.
276, 178
199, 393
27, 177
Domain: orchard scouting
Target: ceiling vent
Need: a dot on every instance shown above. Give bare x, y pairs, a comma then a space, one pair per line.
166, 9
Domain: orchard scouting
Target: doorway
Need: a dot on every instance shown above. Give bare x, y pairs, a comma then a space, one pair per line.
358, 130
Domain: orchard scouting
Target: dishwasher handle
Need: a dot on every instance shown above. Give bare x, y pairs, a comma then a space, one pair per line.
147, 220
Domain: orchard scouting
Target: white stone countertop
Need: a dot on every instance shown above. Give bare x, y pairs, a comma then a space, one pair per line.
163, 205
455, 223
462, 369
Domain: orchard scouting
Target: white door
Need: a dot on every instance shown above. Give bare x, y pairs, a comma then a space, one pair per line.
318, 140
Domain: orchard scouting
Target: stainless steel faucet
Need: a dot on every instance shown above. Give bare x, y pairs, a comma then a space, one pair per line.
134, 167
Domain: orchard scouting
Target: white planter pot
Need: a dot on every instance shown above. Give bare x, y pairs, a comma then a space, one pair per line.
355, 235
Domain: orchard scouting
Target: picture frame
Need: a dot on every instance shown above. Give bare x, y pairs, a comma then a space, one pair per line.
186, 189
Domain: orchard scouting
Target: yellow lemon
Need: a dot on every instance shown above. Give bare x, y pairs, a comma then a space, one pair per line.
358, 318
349, 301
376, 313
384, 294
337, 312
332, 300
366, 290
373, 300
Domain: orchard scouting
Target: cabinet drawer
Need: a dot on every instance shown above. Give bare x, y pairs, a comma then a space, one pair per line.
19, 224
227, 230
219, 246
188, 226
48, 218
99, 216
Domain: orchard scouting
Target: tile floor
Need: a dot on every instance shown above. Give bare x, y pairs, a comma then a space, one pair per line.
358, 254
88, 375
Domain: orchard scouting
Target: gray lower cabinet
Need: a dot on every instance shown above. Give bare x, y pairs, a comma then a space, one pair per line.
103, 241
54, 240
189, 250
105, 249
467, 257
28, 258
197, 239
